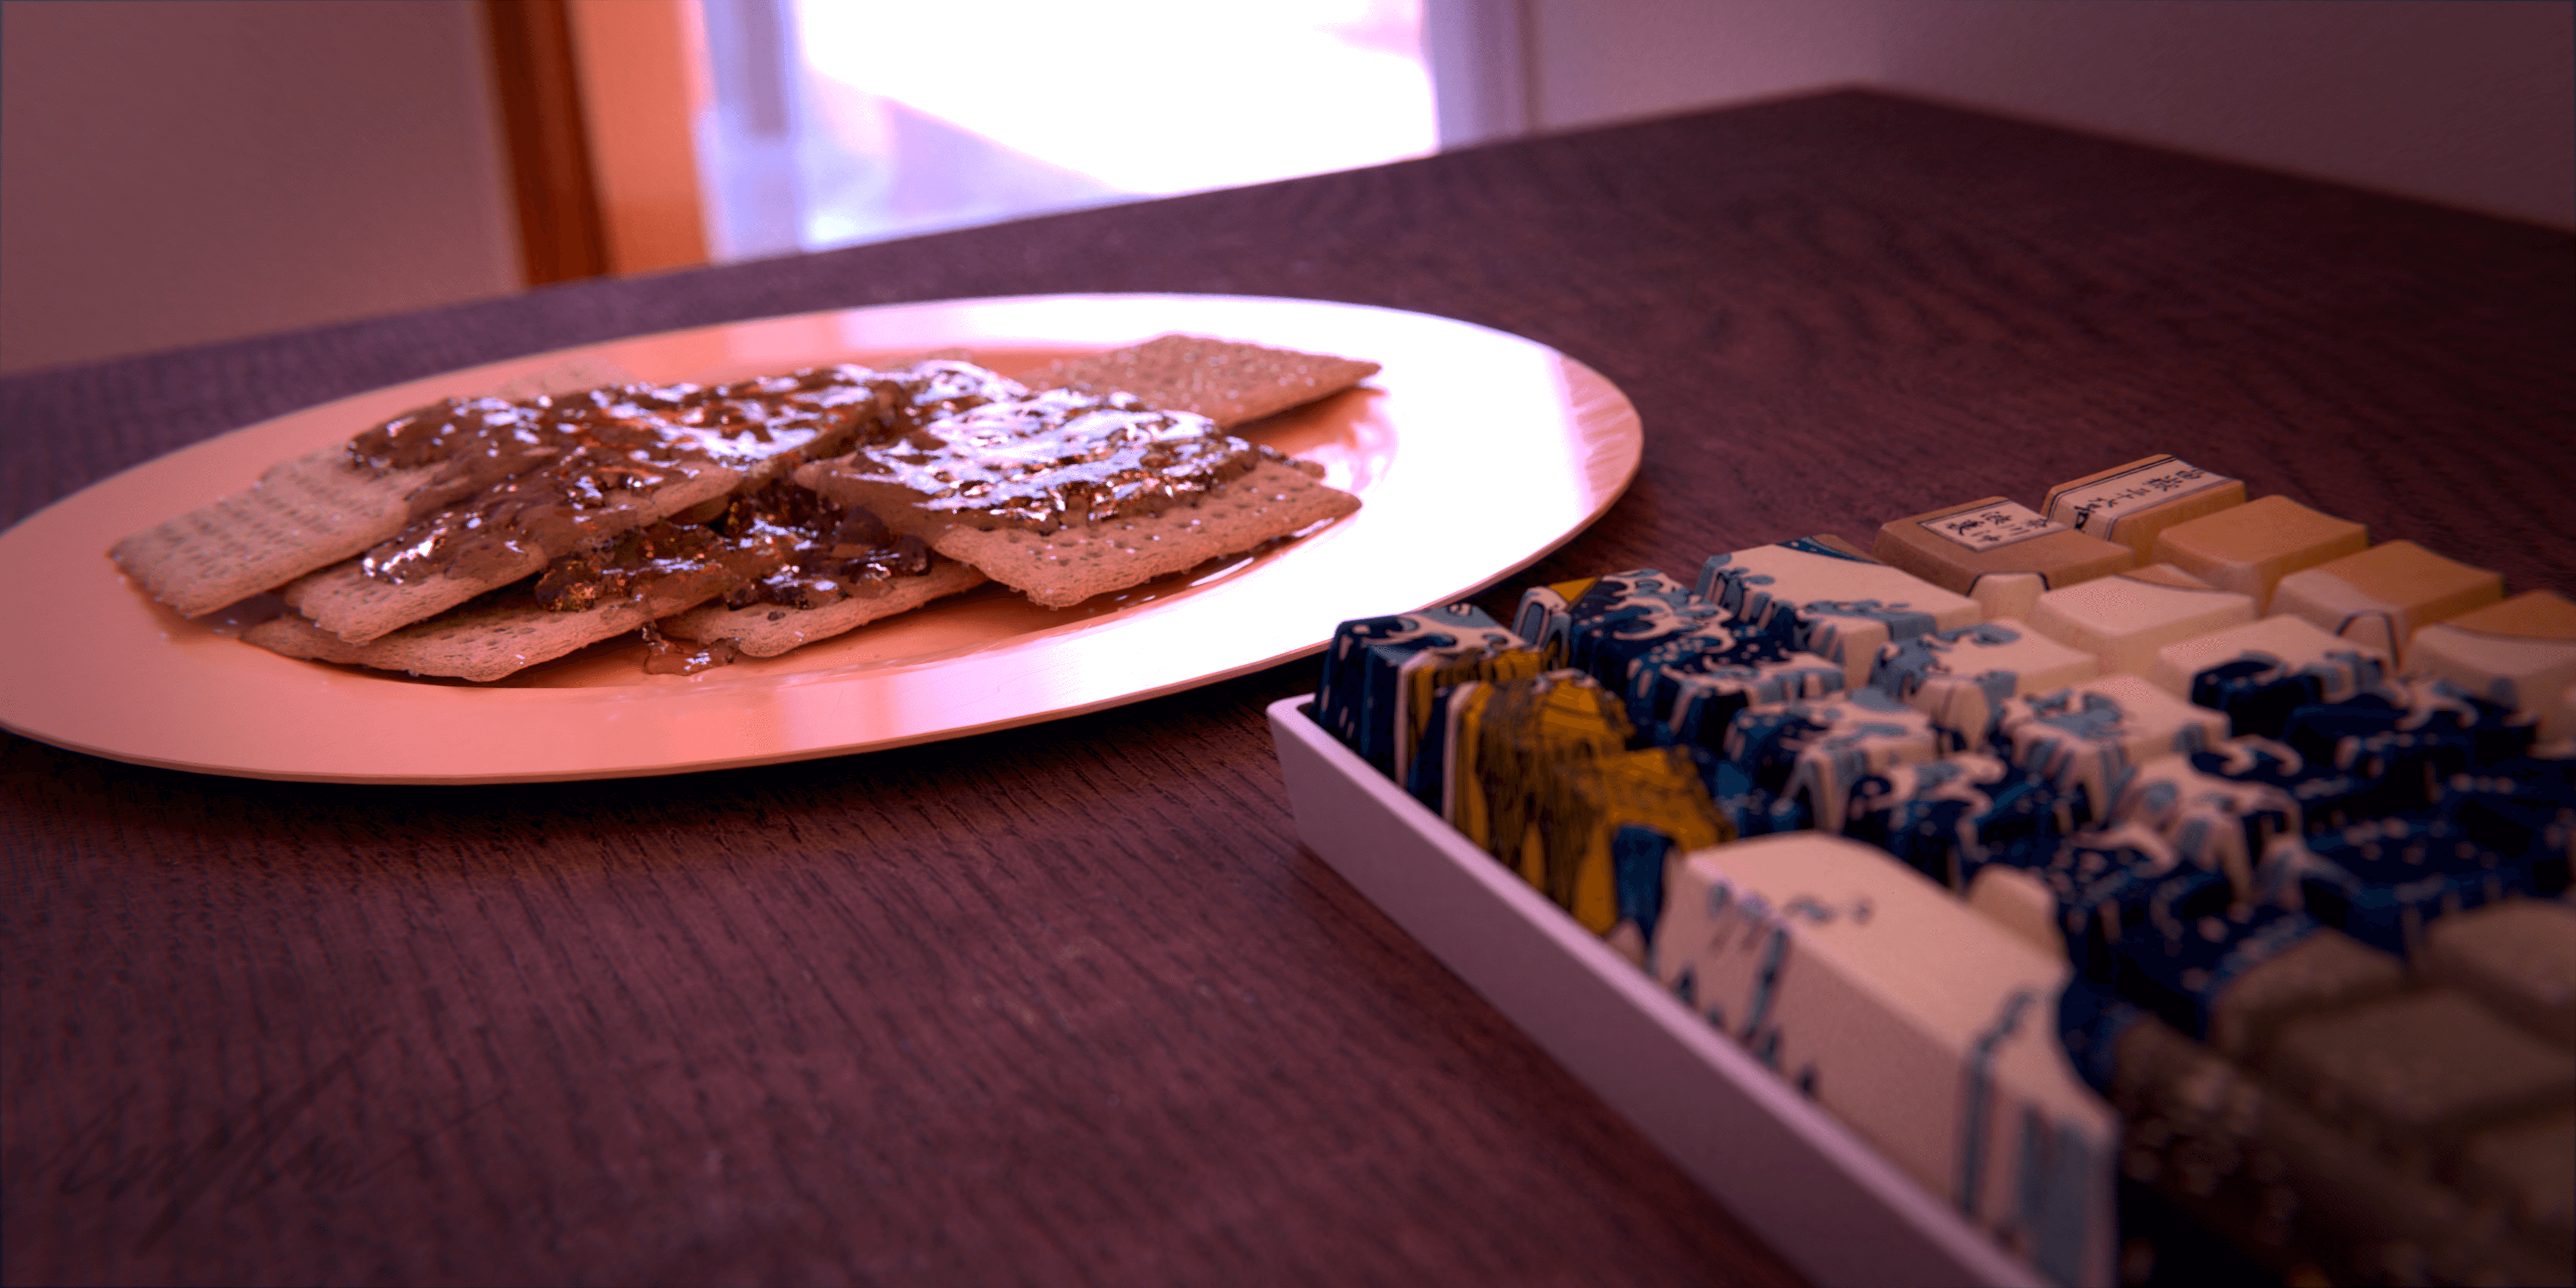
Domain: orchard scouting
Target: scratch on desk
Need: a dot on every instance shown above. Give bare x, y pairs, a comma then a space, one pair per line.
251, 1150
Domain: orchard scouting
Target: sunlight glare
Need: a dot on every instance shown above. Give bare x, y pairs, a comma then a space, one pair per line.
1146, 96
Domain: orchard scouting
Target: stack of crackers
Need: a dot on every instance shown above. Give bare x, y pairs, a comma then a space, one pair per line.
477, 537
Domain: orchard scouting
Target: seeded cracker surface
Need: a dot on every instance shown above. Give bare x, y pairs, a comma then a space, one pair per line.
767, 630
459, 621
1226, 382
1071, 565
343, 600
483, 641
303, 514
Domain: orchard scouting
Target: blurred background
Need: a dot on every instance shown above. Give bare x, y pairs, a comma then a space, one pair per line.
181, 171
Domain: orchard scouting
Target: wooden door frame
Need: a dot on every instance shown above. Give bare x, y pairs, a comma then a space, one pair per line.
536, 75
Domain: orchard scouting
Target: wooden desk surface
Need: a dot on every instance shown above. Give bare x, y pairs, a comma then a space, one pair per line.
1069, 1003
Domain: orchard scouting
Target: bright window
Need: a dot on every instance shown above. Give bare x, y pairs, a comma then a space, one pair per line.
887, 119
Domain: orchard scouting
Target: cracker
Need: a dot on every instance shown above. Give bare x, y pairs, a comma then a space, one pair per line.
321, 508
1066, 567
497, 637
483, 643
1225, 381
767, 630
307, 513
303, 514
346, 602
571, 376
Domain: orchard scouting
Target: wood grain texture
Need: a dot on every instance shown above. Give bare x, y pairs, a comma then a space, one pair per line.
1068, 1003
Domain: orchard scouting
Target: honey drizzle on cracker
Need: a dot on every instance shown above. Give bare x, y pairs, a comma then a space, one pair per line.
544, 470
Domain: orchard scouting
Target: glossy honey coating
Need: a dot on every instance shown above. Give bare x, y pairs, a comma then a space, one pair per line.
541, 467
1058, 457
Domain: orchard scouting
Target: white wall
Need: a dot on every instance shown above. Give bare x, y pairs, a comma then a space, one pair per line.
172, 173
2468, 103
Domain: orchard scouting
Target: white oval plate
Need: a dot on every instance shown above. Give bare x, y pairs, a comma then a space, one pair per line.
1473, 453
